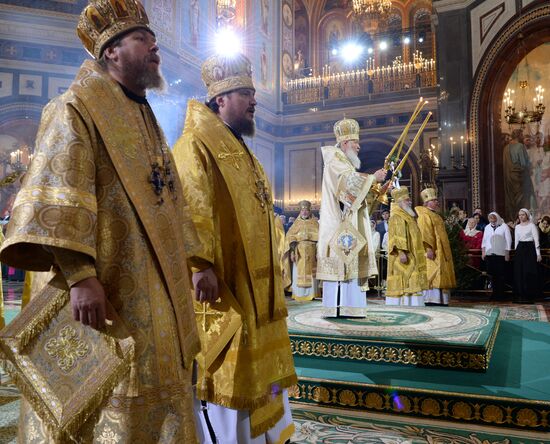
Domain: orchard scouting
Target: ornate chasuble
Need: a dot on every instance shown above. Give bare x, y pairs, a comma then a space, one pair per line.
304, 233
440, 271
403, 234
228, 196
87, 191
285, 261
343, 187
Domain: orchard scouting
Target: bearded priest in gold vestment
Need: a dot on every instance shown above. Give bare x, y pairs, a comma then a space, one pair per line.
406, 256
439, 258
246, 363
345, 251
87, 211
301, 254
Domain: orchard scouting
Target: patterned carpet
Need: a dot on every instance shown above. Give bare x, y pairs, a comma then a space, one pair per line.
316, 425
457, 326
508, 311
9, 410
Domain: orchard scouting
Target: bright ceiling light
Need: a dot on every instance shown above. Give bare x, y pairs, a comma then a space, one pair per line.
370, 50
383, 45
406, 40
351, 51
334, 51
228, 42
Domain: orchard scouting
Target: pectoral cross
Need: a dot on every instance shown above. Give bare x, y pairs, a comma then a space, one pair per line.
261, 193
232, 156
205, 313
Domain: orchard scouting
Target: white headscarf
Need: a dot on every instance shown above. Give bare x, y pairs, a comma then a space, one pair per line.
470, 231
500, 221
529, 217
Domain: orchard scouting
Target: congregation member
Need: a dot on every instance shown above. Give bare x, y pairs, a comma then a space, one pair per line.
241, 396
483, 221
300, 254
407, 277
375, 237
471, 237
495, 251
544, 240
116, 240
382, 226
439, 258
544, 232
345, 251
527, 254
291, 220
462, 218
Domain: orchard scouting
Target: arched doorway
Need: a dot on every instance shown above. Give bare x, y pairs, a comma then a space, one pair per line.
521, 35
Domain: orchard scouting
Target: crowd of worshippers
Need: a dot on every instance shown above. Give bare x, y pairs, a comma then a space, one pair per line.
506, 254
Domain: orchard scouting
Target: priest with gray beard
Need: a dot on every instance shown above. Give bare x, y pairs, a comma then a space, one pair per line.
345, 251
406, 256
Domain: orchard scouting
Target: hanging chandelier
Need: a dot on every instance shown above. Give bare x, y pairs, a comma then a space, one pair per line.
516, 110
371, 9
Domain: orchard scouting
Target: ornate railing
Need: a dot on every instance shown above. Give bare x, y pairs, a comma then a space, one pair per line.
360, 83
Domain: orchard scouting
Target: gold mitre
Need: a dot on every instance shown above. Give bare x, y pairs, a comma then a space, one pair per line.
103, 20
222, 74
399, 194
428, 194
305, 205
346, 129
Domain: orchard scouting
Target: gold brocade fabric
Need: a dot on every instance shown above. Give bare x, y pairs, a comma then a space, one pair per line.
344, 187
238, 237
440, 271
280, 241
304, 233
404, 234
87, 191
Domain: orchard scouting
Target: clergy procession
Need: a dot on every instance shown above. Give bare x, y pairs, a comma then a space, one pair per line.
164, 287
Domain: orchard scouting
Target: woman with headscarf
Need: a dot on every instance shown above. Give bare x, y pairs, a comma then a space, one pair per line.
544, 232
495, 251
525, 259
544, 240
471, 237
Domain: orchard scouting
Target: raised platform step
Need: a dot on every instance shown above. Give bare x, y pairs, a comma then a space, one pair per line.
514, 392
438, 337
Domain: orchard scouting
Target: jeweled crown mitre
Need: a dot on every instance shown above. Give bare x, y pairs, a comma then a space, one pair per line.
103, 20
305, 205
428, 194
346, 129
399, 194
222, 74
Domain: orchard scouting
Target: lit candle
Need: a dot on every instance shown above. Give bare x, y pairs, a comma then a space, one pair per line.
461, 146
452, 148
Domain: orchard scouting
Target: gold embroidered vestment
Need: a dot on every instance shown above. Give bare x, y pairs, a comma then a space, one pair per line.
404, 235
87, 193
235, 224
440, 271
344, 202
302, 237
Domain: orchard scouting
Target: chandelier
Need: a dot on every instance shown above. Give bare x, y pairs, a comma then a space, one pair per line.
523, 114
371, 9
